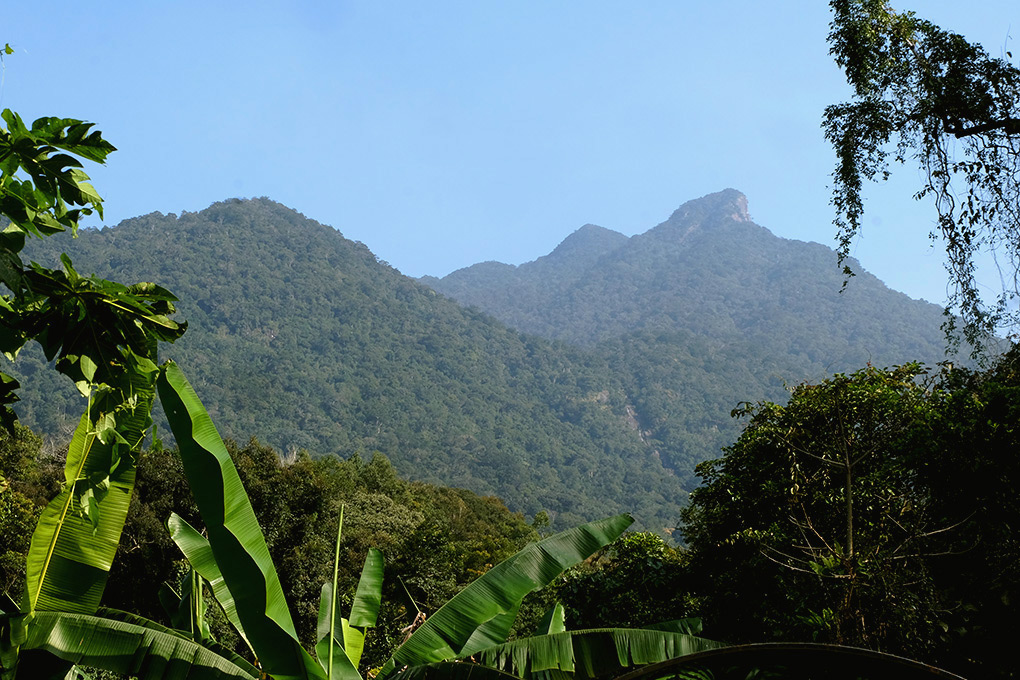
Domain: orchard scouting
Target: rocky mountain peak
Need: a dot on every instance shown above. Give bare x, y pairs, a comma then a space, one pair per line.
726, 203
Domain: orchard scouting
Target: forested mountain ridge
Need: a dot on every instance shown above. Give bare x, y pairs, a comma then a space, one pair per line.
304, 339
701, 312
708, 269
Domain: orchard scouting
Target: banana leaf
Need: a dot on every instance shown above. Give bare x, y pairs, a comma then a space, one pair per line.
235, 537
554, 621
688, 626
446, 633
131, 646
334, 657
587, 654
199, 554
349, 635
492, 632
186, 609
73, 545
454, 670
365, 608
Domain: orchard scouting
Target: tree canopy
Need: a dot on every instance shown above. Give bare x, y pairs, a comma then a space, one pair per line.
875, 509
927, 94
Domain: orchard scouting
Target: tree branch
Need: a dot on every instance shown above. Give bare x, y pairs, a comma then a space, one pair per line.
1011, 126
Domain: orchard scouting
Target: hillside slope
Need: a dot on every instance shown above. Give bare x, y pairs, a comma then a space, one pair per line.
701, 312
710, 270
303, 339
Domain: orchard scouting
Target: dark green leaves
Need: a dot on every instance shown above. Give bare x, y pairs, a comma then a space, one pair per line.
126, 644
927, 94
591, 653
46, 191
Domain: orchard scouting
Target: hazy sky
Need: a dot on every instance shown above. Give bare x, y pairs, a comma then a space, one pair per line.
441, 134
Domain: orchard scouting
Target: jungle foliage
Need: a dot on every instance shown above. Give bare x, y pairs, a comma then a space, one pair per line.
875, 509
304, 340
233, 560
926, 94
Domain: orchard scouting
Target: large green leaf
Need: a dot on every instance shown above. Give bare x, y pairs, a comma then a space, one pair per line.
68, 563
455, 670
200, 556
492, 632
588, 654
187, 608
330, 650
208, 643
554, 621
76, 538
136, 647
348, 638
237, 542
365, 609
500, 590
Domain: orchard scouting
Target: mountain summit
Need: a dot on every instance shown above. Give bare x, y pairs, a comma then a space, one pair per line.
711, 270
702, 312
305, 340
728, 203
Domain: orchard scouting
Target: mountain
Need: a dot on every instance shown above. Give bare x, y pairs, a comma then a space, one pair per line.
701, 312
710, 270
303, 339
518, 291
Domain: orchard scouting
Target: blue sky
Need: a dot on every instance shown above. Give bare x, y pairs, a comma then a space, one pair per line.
441, 134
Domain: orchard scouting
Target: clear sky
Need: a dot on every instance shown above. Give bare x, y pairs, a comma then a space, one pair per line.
442, 134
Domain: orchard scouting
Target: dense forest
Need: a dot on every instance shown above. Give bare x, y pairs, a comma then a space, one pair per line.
928, 571
702, 312
303, 339
710, 270
860, 520
435, 539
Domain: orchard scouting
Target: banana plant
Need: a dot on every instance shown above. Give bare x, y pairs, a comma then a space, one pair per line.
341, 641
474, 620
101, 334
482, 614
592, 653
236, 543
234, 560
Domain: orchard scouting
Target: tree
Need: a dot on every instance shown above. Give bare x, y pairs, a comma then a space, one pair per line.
101, 334
923, 559
816, 509
972, 473
637, 580
927, 94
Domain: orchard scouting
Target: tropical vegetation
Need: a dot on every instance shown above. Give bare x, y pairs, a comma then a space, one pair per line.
302, 339
927, 94
866, 518
104, 336
874, 509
